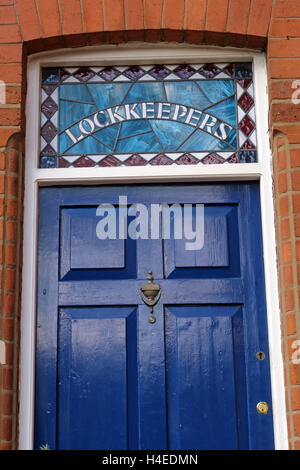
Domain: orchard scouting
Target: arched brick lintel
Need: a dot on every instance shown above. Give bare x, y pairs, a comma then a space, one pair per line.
211, 38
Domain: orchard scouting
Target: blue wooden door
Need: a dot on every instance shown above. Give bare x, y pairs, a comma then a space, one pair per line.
107, 378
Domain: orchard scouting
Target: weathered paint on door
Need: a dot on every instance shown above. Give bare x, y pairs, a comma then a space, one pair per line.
106, 378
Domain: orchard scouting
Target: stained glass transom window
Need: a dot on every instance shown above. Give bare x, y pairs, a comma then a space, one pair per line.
147, 115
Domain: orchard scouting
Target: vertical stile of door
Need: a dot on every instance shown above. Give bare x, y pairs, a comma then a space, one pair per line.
152, 387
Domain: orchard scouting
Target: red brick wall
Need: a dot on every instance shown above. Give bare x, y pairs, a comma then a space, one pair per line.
29, 26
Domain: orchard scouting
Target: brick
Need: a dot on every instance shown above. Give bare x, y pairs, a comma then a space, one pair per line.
7, 2
291, 327
12, 185
7, 15
297, 444
296, 419
285, 112
284, 68
11, 255
29, 21
9, 304
12, 208
13, 94
195, 37
295, 395
134, 14
6, 429
9, 33
295, 157
10, 116
295, 177
9, 353
54, 43
195, 15
282, 183
281, 160
286, 9
71, 16
291, 349
295, 374
292, 131
172, 35
281, 89
287, 252
12, 160
297, 226
114, 17
7, 378
10, 279
256, 42
289, 300
10, 53
298, 250
92, 15
49, 18
287, 274
11, 231
173, 14
11, 73
296, 203
260, 15
6, 446
153, 14
7, 403
2, 188
284, 206
284, 47
285, 28
238, 16
8, 329
285, 229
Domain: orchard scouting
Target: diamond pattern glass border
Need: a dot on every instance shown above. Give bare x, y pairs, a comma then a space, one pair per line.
240, 74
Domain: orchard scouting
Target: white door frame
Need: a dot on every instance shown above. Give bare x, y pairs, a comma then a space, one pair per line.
142, 53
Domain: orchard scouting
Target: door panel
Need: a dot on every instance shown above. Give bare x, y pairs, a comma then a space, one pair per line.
96, 345
84, 256
205, 363
106, 378
219, 256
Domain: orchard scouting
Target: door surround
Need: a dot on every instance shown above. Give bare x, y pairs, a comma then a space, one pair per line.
141, 53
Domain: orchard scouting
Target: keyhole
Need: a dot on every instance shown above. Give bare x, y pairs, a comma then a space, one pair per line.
260, 355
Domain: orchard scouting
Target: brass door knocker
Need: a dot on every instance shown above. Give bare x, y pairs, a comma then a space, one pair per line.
150, 294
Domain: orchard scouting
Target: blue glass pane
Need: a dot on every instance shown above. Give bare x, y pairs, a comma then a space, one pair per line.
187, 93
50, 75
243, 70
151, 91
75, 92
248, 156
70, 113
170, 134
203, 141
217, 90
48, 162
133, 127
225, 110
89, 145
232, 138
108, 135
108, 94
139, 143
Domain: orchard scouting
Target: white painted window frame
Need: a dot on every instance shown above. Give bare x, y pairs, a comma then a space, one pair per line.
141, 53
